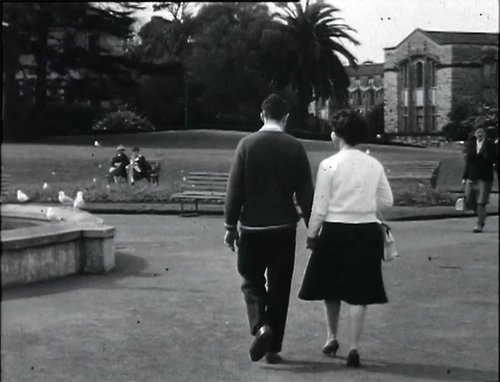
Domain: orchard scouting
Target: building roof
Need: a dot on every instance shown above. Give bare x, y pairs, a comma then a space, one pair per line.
454, 38
365, 70
475, 38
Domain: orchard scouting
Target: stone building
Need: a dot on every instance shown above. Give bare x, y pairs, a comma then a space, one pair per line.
366, 90
367, 86
429, 72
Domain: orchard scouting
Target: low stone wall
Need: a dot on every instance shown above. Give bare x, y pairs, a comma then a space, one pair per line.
80, 243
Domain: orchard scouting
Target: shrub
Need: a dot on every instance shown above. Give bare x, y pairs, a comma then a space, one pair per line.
422, 195
457, 131
123, 120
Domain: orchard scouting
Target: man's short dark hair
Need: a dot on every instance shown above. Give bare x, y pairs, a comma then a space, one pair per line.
136, 149
275, 107
350, 125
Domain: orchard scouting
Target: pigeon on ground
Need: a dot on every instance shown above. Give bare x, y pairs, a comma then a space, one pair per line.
22, 197
51, 215
64, 199
53, 172
45, 185
79, 203
94, 180
97, 144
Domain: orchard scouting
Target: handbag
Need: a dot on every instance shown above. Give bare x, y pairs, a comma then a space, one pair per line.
460, 204
390, 250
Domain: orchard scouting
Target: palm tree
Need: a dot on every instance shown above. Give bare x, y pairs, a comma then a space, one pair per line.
316, 71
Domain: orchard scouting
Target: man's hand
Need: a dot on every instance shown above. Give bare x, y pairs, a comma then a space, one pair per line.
231, 238
312, 243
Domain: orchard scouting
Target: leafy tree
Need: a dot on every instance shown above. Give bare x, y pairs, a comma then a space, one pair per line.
52, 33
227, 62
315, 69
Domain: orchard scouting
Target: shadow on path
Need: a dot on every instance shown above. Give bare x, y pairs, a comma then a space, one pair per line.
126, 265
409, 370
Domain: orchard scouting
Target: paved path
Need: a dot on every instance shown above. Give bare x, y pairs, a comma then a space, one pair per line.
172, 311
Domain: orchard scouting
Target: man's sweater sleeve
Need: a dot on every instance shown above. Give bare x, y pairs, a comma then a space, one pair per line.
235, 190
305, 187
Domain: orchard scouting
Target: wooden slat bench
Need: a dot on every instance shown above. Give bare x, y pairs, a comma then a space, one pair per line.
5, 186
421, 171
155, 164
210, 187
202, 188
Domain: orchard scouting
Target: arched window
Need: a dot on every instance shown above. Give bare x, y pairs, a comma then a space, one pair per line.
419, 73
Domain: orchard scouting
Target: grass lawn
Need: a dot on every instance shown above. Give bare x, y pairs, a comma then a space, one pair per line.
74, 163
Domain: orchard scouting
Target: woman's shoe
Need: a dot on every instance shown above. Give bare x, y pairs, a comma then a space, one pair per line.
331, 348
353, 358
478, 229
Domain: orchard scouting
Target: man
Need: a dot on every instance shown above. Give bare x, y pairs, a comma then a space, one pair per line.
480, 155
119, 163
269, 168
139, 167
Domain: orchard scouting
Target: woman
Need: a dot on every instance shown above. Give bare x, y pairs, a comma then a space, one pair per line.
344, 233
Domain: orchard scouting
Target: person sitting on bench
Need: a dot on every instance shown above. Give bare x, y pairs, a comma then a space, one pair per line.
139, 168
119, 163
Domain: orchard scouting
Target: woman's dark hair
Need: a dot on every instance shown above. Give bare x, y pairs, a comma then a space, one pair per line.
349, 125
275, 107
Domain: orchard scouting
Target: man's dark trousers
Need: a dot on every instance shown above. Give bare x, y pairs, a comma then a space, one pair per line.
272, 250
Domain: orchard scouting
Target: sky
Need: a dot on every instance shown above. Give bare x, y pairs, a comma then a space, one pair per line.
384, 23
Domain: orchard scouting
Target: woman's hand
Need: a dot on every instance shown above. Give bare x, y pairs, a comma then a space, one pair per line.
312, 243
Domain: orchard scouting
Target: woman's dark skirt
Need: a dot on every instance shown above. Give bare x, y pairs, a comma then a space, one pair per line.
346, 265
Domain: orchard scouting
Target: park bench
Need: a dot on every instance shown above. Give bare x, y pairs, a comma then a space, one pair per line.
6, 186
210, 187
201, 188
154, 177
426, 172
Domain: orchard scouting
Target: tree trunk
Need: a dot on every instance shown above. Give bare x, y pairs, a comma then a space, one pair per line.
41, 71
9, 84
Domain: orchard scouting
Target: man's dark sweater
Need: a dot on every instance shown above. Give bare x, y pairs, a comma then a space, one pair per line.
268, 169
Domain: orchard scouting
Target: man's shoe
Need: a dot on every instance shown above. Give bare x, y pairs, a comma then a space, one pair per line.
261, 343
477, 229
273, 358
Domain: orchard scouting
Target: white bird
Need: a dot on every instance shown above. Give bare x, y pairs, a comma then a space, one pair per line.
51, 215
367, 151
45, 185
94, 180
22, 197
53, 172
100, 165
64, 199
96, 144
79, 203
379, 136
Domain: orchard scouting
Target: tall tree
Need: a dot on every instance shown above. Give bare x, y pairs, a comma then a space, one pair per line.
63, 37
315, 69
225, 51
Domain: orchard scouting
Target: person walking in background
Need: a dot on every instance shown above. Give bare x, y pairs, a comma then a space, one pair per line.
269, 168
118, 167
344, 233
477, 178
